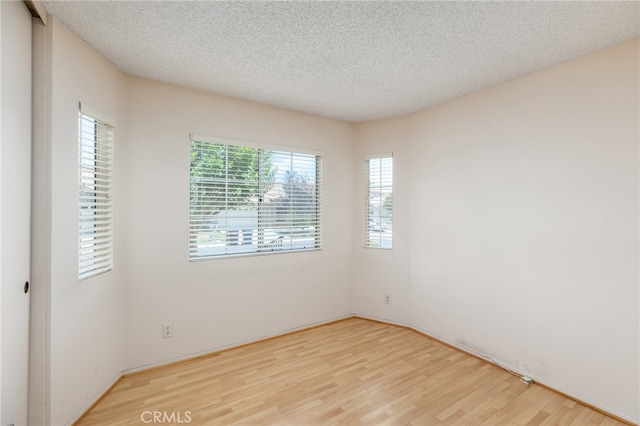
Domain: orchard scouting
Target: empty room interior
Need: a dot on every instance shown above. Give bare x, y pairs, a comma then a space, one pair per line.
307, 213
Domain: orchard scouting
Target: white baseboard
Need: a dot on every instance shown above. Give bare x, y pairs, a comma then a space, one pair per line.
230, 346
88, 406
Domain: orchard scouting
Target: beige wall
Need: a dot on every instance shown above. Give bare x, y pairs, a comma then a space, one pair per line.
86, 317
383, 272
523, 226
221, 302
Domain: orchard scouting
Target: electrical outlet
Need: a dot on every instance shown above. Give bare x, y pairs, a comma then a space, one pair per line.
167, 330
387, 299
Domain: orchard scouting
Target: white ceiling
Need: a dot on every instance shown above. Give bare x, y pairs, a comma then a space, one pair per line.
354, 61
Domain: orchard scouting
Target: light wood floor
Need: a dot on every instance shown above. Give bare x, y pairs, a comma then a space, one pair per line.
351, 372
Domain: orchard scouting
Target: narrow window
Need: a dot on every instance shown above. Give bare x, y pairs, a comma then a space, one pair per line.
248, 200
95, 207
379, 202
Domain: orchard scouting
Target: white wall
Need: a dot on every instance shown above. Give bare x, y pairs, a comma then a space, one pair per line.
523, 226
221, 302
87, 317
379, 272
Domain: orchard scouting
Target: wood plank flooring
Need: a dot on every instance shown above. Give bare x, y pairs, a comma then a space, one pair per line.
352, 372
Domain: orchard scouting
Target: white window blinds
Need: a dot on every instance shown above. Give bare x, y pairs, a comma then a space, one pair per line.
379, 202
95, 184
247, 200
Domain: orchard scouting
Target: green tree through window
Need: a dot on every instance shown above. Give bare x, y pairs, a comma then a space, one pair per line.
250, 200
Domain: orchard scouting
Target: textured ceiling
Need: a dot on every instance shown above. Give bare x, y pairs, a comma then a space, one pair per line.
354, 61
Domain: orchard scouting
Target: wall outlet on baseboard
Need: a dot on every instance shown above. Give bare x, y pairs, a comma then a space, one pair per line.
167, 330
387, 299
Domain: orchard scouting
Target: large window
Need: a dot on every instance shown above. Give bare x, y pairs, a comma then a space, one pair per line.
95, 207
248, 200
379, 202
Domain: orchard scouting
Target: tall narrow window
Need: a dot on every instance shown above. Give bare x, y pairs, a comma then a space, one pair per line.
248, 200
95, 207
379, 202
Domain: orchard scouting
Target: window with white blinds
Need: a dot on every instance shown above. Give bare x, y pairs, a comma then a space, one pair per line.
95, 184
379, 202
248, 200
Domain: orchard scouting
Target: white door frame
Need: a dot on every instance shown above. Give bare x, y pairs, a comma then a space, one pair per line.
15, 210
39, 349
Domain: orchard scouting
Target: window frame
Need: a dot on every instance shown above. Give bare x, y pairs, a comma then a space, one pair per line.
265, 245
382, 227
95, 227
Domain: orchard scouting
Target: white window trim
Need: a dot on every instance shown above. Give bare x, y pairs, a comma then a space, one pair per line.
273, 147
366, 207
102, 263
253, 144
96, 114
